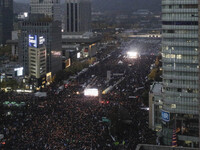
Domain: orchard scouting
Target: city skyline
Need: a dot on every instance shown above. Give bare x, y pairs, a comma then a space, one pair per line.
99, 74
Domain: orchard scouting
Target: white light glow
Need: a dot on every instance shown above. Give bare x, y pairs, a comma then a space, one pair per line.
78, 55
132, 54
41, 40
56, 53
145, 108
24, 91
91, 92
25, 14
19, 71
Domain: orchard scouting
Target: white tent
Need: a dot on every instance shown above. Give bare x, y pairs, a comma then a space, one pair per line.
41, 94
1, 136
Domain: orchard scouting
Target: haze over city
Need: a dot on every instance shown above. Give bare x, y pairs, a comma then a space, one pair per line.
99, 74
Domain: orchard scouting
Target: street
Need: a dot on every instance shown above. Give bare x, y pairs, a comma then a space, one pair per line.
67, 119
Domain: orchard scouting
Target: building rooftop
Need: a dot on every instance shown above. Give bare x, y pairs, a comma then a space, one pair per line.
87, 37
156, 88
158, 147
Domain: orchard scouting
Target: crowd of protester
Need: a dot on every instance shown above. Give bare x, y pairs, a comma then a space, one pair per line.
67, 121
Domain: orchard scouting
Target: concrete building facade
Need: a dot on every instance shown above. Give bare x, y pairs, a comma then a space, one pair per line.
80, 46
50, 8
155, 103
160, 147
37, 62
180, 71
51, 32
77, 16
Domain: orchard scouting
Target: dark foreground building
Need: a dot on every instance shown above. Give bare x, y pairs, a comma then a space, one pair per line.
77, 16
6, 20
157, 147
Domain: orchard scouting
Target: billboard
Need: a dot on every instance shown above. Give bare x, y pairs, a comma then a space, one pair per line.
33, 42
41, 40
165, 116
36, 41
68, 63
78, 55
48, 77
91, 92
19, 71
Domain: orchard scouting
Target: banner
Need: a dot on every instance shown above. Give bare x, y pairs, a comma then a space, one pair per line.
165, 116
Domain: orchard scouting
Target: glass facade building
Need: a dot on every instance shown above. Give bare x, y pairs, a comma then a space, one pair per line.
180, 71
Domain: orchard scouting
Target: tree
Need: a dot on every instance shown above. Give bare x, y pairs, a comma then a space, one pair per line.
157, 62
153, 73
145, 97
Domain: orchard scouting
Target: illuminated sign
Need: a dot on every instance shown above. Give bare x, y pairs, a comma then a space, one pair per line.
56, 53
165, 116
91, 92
19, 71
48, 77
41, 40
78, 55
68, 63
25, 14
33, 41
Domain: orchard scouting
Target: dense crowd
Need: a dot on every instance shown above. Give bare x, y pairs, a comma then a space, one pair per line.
67, 121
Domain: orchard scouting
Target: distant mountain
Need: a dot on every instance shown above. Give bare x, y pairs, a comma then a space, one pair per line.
113, 5
126, 5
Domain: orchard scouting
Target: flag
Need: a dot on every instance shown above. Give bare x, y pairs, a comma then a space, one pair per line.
174, 139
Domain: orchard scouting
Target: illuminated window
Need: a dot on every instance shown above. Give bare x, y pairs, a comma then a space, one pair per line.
173, 105
179, 56
163, 55
170, 56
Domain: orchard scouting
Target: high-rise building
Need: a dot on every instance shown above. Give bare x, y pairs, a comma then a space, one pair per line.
199, 67
6, 20
38, 27
37, 56
180, 72
50, 8
77, 15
